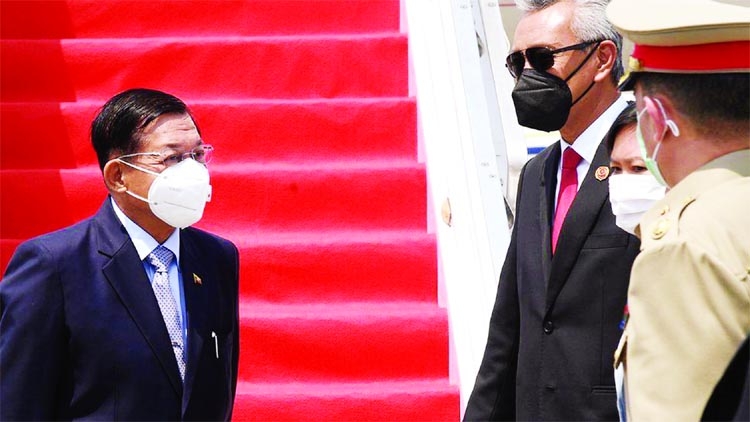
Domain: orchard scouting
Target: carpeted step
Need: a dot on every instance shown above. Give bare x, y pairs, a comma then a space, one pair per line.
38, 19
337, 266
407, 400
308, 267
315, 179
241, 131
343, 342
298, 268
229, 68
320, 196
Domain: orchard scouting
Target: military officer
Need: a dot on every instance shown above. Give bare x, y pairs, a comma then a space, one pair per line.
689, 294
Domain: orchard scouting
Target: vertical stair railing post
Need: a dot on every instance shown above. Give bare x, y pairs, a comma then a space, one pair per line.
472, 146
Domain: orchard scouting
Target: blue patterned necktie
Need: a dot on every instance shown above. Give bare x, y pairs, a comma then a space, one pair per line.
160, 258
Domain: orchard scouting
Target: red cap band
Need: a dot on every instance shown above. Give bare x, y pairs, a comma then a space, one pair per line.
716, 57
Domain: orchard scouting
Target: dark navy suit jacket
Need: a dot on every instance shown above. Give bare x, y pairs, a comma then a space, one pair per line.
555, 324
82, 337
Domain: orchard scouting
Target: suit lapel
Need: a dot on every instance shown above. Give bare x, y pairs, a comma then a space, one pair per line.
581, 218
124, 272
547, 206
195, 307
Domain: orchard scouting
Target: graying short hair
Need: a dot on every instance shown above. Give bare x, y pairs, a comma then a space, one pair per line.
589, 24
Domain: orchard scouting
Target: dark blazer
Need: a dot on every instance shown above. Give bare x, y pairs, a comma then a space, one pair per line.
83, 337
555, 324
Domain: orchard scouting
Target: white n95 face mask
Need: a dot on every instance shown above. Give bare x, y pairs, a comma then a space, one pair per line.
179, 194
631, 195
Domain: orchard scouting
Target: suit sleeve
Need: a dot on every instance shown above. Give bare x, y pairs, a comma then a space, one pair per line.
32, 336
493, 397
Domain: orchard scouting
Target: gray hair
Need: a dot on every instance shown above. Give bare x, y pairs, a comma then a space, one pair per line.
589, 24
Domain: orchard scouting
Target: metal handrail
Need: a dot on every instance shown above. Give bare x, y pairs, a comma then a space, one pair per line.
473, 148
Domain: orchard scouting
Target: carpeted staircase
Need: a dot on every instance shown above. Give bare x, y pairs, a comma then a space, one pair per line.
315, 179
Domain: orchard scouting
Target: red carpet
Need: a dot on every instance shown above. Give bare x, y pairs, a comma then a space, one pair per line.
315, 179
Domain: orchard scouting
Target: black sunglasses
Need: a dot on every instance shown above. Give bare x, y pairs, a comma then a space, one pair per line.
540, 58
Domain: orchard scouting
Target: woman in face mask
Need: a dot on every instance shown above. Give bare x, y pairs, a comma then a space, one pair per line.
632, 189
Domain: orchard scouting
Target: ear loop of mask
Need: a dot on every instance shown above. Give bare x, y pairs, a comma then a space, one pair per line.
669, 122
671, 125
588, 56
151, 172
650, 162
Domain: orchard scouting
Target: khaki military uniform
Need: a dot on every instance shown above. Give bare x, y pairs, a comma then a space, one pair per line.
689, 295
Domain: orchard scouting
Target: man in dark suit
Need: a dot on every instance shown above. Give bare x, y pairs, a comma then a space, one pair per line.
129, 314
563, 287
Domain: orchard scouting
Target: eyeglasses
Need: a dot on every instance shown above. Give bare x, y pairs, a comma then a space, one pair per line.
168, 157
540, 58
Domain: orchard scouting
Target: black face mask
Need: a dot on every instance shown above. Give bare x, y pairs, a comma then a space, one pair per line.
543, 101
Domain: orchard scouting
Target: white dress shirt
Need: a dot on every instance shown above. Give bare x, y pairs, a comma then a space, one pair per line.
587, 143
144, 245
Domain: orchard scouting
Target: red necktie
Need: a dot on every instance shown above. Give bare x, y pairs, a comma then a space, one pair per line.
568, 189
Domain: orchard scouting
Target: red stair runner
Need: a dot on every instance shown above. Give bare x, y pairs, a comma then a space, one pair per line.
315, 179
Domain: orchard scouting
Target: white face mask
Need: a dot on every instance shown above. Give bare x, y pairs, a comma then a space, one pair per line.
631, 195
179, 194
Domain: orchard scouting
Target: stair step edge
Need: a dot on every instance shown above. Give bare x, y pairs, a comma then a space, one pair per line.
438, 385
250, 310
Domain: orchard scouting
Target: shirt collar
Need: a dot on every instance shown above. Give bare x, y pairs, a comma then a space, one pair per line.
144, 242
587, 143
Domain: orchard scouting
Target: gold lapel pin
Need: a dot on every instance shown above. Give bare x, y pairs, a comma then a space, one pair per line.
197, 280
601, 173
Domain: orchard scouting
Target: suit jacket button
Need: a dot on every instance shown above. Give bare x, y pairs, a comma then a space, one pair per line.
549, 327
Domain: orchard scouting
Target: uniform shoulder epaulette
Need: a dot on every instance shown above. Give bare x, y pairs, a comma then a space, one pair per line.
669, 218
665, 225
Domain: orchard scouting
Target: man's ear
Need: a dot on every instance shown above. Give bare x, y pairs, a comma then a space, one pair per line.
663, 113
606, 56
671, 115
114, 177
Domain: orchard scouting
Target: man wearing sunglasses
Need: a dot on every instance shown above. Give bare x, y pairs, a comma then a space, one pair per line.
130, 314
562, 289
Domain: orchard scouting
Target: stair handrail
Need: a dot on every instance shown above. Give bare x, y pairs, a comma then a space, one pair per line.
473, 148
